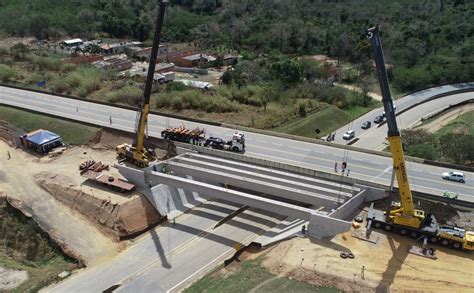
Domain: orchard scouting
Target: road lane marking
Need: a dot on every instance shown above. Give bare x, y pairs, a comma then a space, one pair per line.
384, 171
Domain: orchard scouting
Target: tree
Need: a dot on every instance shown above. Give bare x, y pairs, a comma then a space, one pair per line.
39, 24
287, 71
457, 146
413, 137
311, 69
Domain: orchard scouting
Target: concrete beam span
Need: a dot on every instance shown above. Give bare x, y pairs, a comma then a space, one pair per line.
278, 190
344, 187
234, 196
274, 178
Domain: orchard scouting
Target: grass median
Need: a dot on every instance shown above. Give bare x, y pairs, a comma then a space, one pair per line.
71, 132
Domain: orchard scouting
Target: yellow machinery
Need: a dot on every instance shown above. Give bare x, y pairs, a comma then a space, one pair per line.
137, 153
403, 217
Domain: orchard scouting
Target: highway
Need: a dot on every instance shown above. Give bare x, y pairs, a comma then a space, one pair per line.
171, 256
374, 138
365, 166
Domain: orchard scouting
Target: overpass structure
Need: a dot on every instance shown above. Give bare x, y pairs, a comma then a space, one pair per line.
326, 204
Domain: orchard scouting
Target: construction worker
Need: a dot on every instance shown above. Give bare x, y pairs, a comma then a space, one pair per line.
8, 155
344, 165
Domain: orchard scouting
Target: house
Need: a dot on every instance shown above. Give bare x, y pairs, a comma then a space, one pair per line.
163, 71
72, 43
230, 59
195, 59
146, 52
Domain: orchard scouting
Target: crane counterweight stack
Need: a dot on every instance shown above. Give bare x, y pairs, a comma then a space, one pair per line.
403, 217
137, 153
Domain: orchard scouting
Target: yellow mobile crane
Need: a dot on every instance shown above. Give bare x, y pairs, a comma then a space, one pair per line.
403, 217
137, 153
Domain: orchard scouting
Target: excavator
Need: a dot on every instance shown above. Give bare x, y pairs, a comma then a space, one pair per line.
137, 153
403, 217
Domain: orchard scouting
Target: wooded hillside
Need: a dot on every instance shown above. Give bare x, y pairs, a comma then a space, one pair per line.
429, 42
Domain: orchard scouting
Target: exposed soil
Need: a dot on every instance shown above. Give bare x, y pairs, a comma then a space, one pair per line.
115, 214
444, 119
10, 279
380, 267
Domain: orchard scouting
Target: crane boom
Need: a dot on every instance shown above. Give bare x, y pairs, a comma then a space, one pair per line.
137, 153
406, 214
145, 106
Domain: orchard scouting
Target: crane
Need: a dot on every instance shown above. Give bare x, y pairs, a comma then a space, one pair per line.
137, 153
403, 217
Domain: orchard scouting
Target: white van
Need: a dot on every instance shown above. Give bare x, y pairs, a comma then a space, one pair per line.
349, 134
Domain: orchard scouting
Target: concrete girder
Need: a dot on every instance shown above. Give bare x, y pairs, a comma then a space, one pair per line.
233, 195
257, 185
274, 178
274, 172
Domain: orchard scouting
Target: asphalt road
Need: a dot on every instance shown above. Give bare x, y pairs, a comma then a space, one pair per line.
170, 257
365, 166
374, 138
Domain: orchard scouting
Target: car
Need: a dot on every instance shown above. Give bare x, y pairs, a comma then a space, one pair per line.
378, 119
366, 125
349, 134
454, 176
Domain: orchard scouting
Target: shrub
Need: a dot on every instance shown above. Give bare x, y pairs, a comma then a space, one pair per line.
81, 81
7, 73
129, 95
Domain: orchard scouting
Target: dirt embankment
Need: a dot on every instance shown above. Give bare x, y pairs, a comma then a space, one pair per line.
118, 219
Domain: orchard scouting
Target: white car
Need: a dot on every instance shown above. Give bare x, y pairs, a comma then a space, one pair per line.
454, 176
349, 134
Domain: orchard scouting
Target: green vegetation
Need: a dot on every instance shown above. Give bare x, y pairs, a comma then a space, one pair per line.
24, 246
250, 275
428, 42
71, 132
453, 143
324, 120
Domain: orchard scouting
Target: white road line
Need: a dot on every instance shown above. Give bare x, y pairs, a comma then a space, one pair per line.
384, 171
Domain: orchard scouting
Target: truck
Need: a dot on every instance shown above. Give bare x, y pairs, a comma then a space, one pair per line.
402, 217
197, 137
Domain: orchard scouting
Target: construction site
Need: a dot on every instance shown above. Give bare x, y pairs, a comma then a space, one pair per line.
144, 213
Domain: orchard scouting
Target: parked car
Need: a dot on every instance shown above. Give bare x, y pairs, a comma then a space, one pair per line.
378, 119
349, 134
366, 125
454, 176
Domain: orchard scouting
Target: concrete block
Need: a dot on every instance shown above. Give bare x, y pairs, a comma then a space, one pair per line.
321, 226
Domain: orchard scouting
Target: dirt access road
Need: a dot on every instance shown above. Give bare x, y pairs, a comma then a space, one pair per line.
77, 236
382, 267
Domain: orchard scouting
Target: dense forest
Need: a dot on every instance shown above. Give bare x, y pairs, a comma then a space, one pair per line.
429, 42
